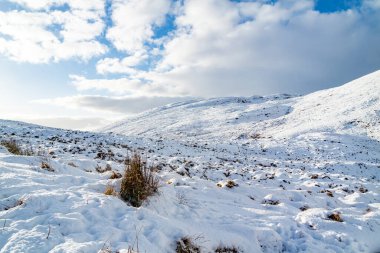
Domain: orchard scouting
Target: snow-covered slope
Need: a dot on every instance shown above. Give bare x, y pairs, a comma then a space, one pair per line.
294, 160
354, 107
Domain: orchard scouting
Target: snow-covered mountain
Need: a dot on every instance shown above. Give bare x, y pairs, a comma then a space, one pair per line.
296, 162
353, 107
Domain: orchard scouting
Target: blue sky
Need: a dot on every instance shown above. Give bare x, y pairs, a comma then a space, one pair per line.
81, 64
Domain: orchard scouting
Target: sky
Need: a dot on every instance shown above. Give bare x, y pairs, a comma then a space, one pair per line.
81, 64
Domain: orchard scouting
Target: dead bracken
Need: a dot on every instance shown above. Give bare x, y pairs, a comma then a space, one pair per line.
335, 217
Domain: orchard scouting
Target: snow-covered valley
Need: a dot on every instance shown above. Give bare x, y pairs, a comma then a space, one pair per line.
296, 162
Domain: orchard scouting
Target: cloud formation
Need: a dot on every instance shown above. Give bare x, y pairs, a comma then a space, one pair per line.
133, 23
125, 105
39, 34
164, 50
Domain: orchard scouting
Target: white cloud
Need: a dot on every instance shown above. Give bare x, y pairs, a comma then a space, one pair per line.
125, 65
225, 48
46, 35
82, 123
74, 4
133, 22
372, 3
128, 86
121, 104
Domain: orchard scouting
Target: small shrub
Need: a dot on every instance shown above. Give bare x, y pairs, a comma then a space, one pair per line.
72, 164
256, 136
13, 147
115, 175
99, 169
226, 249
314, 176
270, 202
46, 166
328, 193
45, 161
15, 204
186, 245
110, 190
231, 184
139, 182
335, 217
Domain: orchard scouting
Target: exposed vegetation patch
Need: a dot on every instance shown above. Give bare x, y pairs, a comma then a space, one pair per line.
46, 166
335, 217
139, 182
231, 184
227, 249
72, 164
270, 202
13, 147
99, 169
15, 204
115, 175
187, 245
110, 190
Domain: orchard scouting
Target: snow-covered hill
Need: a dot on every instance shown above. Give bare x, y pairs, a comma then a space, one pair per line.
351, 108
294, 160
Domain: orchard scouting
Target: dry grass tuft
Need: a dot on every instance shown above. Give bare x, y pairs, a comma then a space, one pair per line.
46, 166
227, 249
72, 164
115, 175
139, 182
110, 190
186, 245
270, 202
231, 184
99, 169
13, 147
335, 217
19, 202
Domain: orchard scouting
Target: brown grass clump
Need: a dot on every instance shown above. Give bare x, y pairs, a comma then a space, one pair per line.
46, 166
19, 202
115, 175
335, 217
270, 202
314, 176
231, 184
72, 164
139, 182
110, 190
99, 169
13, 147
227, 249
186, 245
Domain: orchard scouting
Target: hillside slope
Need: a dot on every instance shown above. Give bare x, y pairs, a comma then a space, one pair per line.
352, 108
295, 163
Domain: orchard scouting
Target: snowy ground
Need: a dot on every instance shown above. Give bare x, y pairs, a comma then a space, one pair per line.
295, 160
